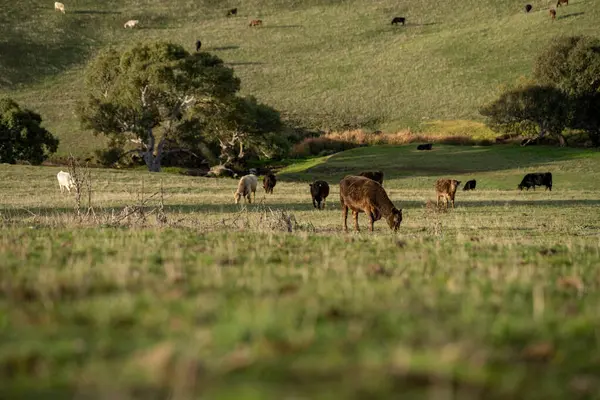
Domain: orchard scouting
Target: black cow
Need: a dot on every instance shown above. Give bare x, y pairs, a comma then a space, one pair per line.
269, 182
198, 45
427, 146
231, 12
319, 190
398, 20
536, 179
470, 185
528, 8
376, 176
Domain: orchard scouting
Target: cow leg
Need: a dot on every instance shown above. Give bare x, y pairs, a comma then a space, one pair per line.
371, 221
254, 195
345, 217
437, 202
324, 204
452, 203
314, 203
355, 215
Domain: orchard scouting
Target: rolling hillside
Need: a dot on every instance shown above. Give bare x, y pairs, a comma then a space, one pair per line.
331, 64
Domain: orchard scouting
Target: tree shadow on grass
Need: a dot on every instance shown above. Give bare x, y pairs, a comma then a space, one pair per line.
221, 48
570, 15
26, 62
94, 12
241, 63
332, 204
404, 162
282, 26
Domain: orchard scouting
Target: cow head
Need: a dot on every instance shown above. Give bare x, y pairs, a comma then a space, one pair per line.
395, 219
237, 196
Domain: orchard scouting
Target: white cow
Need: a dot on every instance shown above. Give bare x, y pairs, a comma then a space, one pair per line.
131, 23
59, 7
65, 181
246, 187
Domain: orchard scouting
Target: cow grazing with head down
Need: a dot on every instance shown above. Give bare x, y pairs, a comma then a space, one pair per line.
132, 23
536, 179
528, 8
398, 20
361, 194
246, 187
65, 181
446, 189
269, 182
232, 12
319, 190
256, 22
552, 14
377, 176
198, 45
426, 146
470, 185
59, 7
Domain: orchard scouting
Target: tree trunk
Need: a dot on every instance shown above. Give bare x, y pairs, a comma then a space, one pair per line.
561, 140
153, 160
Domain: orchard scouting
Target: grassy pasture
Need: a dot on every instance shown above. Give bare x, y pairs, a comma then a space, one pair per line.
496, 299
330, 64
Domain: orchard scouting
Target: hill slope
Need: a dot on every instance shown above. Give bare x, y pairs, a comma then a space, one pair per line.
329, 63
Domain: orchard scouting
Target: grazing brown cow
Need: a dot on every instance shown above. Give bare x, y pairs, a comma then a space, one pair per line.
377, 176
553, 14
255, 22
565, 2
446, 189
361, 194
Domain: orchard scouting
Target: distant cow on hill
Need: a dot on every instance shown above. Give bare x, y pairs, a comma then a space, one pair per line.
528, 7
361, 194
536, 179
377, 176
398, 20
59, 7
319, 190
560, 2
446, 189
232, 12
198, 45
132, 23
552, 14
426, 146
255, 22
470, 185
269, 182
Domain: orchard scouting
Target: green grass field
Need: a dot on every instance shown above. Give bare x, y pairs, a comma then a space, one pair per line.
330, 64
498, 298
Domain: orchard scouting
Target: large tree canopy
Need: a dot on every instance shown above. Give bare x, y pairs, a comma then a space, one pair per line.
566, 93
165, 99
21, 136
530, 110
572, 64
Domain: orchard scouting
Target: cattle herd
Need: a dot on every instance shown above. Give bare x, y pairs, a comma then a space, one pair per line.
258, 22
361, 193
